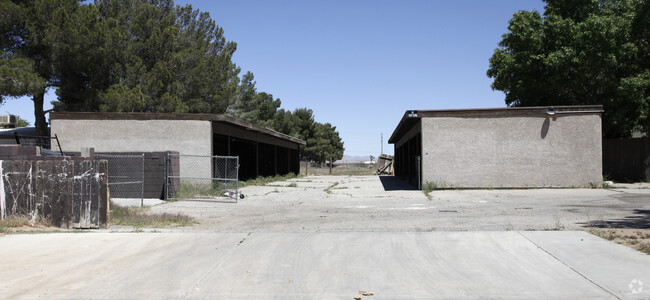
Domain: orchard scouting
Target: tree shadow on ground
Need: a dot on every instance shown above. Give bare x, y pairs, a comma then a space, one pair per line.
393, 183
639, 220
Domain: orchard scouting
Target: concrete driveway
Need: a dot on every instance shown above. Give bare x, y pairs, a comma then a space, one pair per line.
316, 241
431, 265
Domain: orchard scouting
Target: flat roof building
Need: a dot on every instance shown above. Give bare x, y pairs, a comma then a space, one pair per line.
261, 151
520, 147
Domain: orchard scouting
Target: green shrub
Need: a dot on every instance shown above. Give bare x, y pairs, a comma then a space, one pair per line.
429, 187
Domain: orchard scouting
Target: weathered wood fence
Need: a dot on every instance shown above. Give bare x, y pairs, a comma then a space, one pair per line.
72, 193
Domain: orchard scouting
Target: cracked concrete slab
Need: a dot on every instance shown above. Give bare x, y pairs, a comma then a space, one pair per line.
373, 203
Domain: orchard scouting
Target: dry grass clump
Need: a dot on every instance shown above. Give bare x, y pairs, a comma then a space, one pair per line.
20, 223
140, 218
262, 181
638, 239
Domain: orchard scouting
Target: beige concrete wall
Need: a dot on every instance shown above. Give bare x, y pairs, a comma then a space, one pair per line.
185, 136
512, 151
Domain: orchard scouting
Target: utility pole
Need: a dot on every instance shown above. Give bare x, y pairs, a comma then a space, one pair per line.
382, 143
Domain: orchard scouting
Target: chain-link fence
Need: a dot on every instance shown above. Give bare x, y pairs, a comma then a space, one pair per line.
125, 175
198, 177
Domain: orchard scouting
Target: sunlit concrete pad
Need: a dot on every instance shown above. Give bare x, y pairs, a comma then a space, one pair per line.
442, 265
385, 203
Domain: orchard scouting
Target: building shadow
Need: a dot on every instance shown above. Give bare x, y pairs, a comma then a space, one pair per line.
639, 220
393, 183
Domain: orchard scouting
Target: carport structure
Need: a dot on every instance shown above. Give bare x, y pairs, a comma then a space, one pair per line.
261, 151
521, 147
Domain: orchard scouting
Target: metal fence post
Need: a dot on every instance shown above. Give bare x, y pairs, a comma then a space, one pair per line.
142, 195
57, 143
167, 178
237, 178
417, 171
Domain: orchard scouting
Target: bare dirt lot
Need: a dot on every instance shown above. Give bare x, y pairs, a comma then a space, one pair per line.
373, 203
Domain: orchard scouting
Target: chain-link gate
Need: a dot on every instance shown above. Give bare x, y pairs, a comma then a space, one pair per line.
125, 175
202, 177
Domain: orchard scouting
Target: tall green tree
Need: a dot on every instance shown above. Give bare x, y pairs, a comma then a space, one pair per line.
256, 107
304, 123
137, 56
325, 145
323, 141
580, 52
148, 56
28, 31
283, 122
246, 91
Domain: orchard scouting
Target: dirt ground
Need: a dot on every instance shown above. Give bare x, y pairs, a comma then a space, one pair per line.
638, 239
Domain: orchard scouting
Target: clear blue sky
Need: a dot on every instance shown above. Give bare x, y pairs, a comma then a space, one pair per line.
360, 64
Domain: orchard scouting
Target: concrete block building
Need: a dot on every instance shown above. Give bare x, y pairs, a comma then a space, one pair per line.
522, 147
261, 151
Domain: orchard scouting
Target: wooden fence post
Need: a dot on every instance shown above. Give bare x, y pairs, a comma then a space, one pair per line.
331, 166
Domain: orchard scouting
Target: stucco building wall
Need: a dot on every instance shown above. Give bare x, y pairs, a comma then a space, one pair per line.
261, 151
185, 136
512, 151
507, 148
